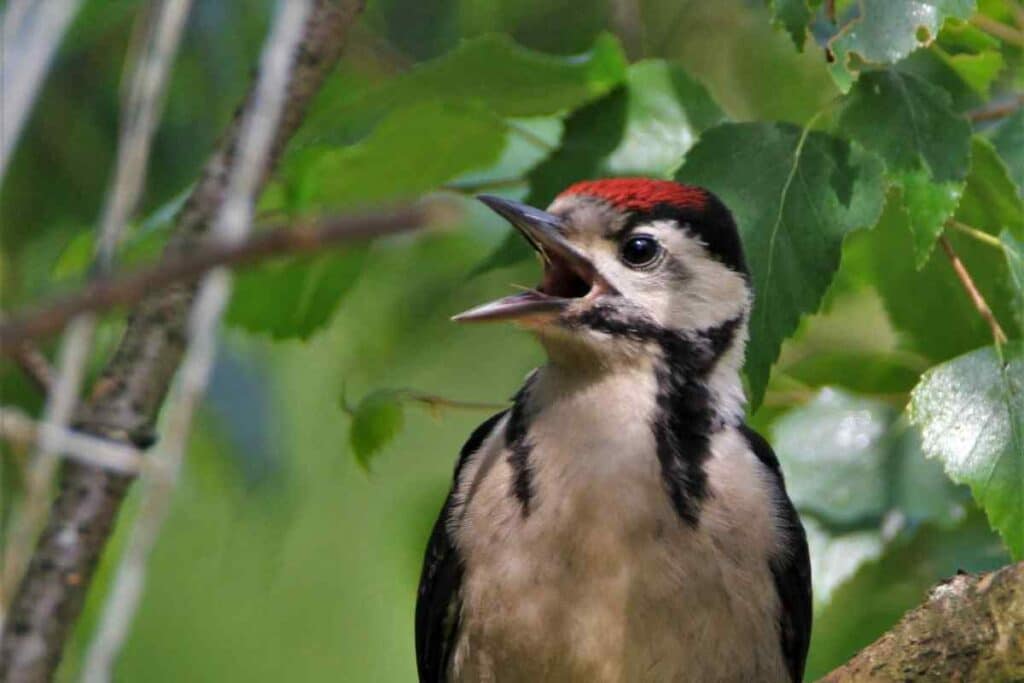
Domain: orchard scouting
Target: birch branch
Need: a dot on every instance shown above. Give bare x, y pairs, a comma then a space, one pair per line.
29, 38
137, 126
233, 222
126, 399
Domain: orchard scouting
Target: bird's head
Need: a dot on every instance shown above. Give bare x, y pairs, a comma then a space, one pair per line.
631, 266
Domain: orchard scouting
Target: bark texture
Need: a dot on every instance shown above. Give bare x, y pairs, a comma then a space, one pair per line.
124, 403
971, 628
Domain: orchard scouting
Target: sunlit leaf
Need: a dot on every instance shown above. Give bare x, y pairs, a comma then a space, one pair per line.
850, 463
834, 453
795, 196
971, 414
295, 298
883, 32
376, 421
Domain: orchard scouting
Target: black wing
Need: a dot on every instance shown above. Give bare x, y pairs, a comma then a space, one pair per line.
437, 604
792, 570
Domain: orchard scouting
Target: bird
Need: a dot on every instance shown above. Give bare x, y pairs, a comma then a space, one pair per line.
620, 521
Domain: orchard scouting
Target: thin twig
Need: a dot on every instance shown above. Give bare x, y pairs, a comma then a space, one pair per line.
20, 429
434, 401
35, 366
29, 36
1005, 33
997, 111
972, 291
473, 187
232, 224
974, 233
830, 10
1018, 12
128, 288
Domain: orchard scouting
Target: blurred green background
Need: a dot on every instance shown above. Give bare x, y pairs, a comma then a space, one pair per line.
283, 559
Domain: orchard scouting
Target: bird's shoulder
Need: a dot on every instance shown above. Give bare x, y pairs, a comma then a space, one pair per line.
791, 566
441, 577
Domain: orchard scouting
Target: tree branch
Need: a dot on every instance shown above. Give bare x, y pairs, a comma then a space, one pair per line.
126, 399
129, 288
34, 364
971, 628
972, 291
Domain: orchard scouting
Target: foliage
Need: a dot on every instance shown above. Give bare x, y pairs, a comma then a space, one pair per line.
846, 147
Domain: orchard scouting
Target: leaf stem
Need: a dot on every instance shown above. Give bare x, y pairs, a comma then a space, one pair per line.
474, 187
433, 401
979, 235
530, 136
972, 291
1007, 34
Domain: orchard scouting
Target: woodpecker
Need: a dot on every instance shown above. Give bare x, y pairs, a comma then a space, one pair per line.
620, 522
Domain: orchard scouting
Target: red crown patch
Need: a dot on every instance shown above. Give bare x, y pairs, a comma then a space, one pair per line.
640, 194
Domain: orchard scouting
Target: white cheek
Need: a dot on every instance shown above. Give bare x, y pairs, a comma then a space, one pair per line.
706, 292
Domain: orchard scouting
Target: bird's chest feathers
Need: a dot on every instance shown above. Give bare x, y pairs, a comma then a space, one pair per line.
601, 578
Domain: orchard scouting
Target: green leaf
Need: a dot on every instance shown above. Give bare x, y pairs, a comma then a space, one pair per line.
642, 128
376, 421
793, 16
971, 414
491, 71
413, 151
978, 71
921, 303
925, 144
795, 196
1014, 250
929, 205
1009, 141
990, 201
884, 32
294, 298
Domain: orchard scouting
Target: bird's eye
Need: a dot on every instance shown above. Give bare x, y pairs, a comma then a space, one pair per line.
640, 250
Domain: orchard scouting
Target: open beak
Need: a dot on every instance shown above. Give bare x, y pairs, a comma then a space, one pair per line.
568, 274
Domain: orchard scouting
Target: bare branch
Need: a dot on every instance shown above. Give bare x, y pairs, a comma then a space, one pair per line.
997, 111
35, 366
972, 291
127, 397
969, 629
232, 224
998, 29
29, 37
18, 428
129, 288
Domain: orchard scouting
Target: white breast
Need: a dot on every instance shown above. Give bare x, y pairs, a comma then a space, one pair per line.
602, 581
